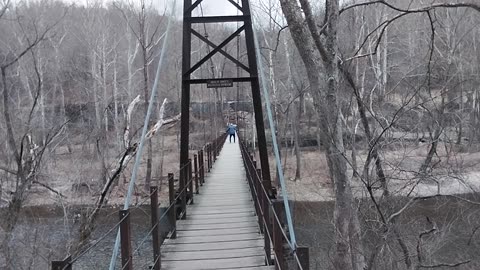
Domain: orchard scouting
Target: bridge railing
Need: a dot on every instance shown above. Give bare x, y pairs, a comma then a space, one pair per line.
271, 220
179, 196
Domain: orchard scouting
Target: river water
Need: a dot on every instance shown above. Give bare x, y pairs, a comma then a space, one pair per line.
43, 234
455, 239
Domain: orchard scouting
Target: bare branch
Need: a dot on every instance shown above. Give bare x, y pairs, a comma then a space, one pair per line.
39, 88
473, 234
4, 8
128, 154
7, 170
49, 188
35, 42
307, 9
8, 122
131, 107
444, 265
383, 26
422, 9
278, 39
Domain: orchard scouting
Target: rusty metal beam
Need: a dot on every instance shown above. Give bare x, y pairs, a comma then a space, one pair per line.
257, 100
186, 63
192, 7
236, 5
155, 228
125, 238
227, 55
215, 50
215, 19
240, 79
172, 213
66, 264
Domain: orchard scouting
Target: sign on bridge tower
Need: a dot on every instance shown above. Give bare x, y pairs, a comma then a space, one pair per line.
243, 17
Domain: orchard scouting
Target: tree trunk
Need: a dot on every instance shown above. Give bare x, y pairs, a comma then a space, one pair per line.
116, 121
148, 176
42, 107
296, 135
327, 105
103, 76
297, 111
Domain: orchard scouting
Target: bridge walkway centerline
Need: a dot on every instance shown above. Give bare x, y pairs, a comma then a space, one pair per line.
221, 230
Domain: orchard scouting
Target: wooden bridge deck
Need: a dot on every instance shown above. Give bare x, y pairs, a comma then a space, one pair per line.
221, 229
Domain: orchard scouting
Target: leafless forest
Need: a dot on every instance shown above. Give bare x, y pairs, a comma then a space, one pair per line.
377, 105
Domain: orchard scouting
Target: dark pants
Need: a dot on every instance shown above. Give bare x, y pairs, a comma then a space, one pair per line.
232, 135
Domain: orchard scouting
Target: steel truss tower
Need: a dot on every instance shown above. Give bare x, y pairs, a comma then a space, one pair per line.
244, 16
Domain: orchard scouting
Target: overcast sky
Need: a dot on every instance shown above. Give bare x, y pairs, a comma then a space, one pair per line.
210, 7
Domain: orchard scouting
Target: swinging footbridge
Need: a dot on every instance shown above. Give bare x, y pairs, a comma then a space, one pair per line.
223, 212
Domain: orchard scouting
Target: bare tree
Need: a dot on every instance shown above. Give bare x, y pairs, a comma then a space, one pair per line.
27, 155
147, 34
327, 104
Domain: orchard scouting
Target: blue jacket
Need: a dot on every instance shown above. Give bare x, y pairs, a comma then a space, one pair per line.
231, 129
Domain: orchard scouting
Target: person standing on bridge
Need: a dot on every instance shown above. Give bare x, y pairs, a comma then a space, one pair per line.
231, 130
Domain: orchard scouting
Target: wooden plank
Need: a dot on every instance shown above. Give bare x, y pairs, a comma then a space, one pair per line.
223, 193
221, 229
243, 203
171, 247
226, 215
203, 208
219, 211
215, 254
224, 179
190, 227
218, 228
215, 226
195, 233
230, 188
230, 263
235, 268
239, 220
219, 239
225, 197
229, 191
222, 198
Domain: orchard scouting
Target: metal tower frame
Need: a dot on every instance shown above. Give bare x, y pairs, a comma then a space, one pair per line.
251, 69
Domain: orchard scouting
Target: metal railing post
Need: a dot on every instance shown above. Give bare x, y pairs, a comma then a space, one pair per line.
183, 189
277, 235
202, 168
210, 148
173, 205
125, 236
209, 154
66, 264
215, 150
267, 228
190, 180
304, 258
248, 168
155, 228
257, 174
195, 165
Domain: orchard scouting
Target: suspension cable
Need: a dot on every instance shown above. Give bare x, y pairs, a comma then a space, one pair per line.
238, 71
205, 34
274, 139
144, 132
212, 71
